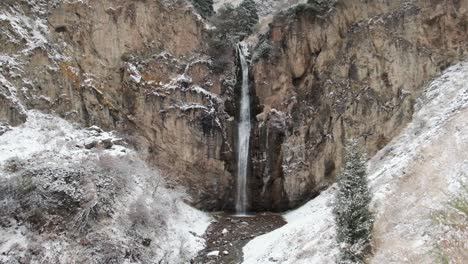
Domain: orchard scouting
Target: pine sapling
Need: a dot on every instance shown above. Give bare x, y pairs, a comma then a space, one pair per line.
353, 218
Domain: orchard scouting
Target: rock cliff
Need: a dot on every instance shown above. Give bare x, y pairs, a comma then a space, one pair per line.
138, 67
326, 74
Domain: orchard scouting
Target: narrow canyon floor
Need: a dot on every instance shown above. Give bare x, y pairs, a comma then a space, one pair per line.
228, 234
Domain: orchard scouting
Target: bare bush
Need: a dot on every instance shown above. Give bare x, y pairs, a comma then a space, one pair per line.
13, 165
139, 213
110, 207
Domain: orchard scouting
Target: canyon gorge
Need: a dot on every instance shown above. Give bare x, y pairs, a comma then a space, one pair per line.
258, 126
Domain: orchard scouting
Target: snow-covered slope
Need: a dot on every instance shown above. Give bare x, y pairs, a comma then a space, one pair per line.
308, 237
71, 195
410, 178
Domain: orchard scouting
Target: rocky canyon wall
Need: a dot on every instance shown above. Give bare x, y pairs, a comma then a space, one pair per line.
138, 67
318, 77
323, 76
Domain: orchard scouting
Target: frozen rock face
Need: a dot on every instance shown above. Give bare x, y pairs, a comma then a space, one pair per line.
351, 72
134, 66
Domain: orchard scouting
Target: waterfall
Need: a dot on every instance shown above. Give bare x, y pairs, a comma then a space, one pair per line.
244, 127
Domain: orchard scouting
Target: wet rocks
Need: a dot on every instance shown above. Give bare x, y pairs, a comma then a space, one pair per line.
90, 144
106, 143
228, 234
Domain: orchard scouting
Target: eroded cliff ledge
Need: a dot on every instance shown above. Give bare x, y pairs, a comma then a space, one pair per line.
353, 71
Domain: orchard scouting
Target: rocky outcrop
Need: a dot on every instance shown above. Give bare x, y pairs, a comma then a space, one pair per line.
134, 66
353, 71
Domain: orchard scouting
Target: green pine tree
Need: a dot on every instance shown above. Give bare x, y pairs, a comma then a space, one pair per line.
248, 17
353, 218
232, 24
204, 7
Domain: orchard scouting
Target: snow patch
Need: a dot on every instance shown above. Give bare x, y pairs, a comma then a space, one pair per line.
135, 75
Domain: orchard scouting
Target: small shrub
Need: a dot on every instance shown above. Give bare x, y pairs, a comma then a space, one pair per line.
13, 165
139, 213
204, 7
321, 5
262, 51
316, 7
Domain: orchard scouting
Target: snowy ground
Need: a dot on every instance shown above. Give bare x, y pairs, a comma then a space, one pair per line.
141, 220
410, 178
306, 238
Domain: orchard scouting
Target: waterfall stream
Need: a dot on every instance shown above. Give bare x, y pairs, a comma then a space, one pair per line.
244, 127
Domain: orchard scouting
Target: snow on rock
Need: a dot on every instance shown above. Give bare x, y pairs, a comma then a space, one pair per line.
10, 89
10, 65
213, 253
8, 97
135, 75
24, 29
206, 93
93, 204
4, 128
410, 178
43, 133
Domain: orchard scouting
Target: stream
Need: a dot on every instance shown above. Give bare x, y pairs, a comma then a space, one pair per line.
228, 234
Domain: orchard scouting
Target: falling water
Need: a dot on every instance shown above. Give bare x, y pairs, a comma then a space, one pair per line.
244, 127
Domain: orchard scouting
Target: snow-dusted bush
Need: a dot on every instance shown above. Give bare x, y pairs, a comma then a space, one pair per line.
322, 3
235, 23
13, 164
63, 203
232, 24
204, 7
313, 7
354, 221
262, 51
77, 199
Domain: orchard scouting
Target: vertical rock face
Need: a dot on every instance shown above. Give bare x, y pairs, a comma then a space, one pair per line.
350, 72
134, 66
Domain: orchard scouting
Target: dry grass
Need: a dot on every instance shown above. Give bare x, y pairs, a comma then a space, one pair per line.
452, 246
